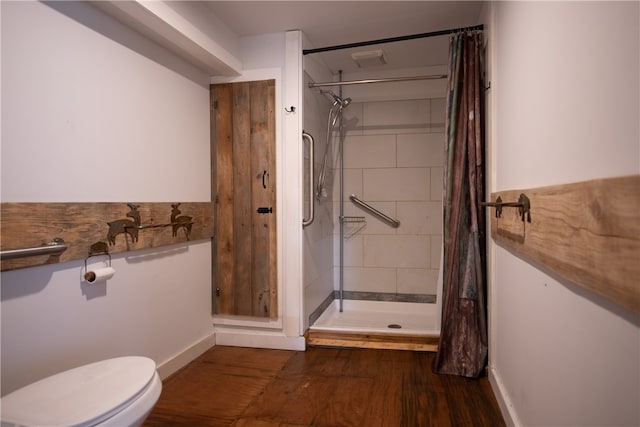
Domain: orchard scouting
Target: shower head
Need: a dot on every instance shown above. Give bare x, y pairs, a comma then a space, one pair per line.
339, 101
339, 104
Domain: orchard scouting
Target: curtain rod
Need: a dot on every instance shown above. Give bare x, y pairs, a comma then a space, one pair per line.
393, 79
393, 39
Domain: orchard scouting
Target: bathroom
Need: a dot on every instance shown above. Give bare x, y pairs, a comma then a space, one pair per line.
66, 87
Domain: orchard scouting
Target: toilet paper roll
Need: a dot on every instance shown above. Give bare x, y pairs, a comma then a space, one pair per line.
99, 274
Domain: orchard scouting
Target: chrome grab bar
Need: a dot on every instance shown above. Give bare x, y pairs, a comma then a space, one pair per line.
392, 222
54, 247
309, 138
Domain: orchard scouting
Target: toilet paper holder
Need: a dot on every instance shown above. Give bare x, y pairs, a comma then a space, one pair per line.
97, 249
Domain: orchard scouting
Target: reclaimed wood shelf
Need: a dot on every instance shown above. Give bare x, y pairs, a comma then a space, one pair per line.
586, 232
81, 225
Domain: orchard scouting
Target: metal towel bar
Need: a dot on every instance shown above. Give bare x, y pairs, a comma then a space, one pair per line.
392, 222
54, 247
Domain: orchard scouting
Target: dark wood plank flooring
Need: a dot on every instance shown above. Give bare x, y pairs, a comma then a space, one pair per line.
240, 387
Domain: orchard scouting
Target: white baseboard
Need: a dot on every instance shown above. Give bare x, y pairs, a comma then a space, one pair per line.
256, 339
233, 338
182, 359
506, 406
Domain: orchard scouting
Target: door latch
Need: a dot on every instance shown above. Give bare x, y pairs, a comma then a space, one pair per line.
265, 210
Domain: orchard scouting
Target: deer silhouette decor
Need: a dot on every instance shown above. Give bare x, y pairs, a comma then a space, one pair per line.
125, 225
180, 221
132, 226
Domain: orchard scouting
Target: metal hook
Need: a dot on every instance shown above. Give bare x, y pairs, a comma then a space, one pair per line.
523, 204
291, 109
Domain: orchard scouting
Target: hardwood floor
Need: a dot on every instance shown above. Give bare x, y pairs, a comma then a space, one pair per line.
240, 387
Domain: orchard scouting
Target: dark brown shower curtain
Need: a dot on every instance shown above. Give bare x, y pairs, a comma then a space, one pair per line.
463, 338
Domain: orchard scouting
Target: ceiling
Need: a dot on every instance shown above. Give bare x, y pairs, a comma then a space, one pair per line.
329, 23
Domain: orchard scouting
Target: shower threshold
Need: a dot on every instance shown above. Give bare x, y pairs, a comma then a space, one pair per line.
376, 324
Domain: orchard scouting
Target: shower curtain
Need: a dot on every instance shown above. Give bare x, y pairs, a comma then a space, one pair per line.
463, 338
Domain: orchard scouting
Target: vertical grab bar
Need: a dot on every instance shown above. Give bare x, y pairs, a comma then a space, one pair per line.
309, 138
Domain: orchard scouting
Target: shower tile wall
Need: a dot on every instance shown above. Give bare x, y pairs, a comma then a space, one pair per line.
393, 157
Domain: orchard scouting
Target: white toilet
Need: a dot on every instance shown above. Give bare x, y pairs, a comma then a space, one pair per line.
115, 392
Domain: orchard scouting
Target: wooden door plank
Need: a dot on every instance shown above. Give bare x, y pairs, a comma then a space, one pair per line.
243, 251
213, 152
586, 232
261, 167
224, 187
273, 248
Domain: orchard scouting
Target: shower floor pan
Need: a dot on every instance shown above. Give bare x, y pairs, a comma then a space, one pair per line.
376, 324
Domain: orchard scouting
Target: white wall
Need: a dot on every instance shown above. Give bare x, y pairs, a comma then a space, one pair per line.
565, 107
91, 111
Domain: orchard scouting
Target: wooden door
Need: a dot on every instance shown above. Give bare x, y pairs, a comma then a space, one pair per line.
243, 187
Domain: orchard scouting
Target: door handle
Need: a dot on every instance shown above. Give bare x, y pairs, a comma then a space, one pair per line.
264, 210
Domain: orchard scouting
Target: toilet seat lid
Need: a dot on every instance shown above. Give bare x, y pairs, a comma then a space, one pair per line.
81, 396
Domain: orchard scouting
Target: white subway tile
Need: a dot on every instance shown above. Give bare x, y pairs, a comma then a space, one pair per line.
438, 114
352, 121
371, 151
318, 255
393, 117
436, 251
435, 149
353, 251
396, 184
417, 281
396, 251
420, 217
352, 184
421, 150
366, 279
437, 183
